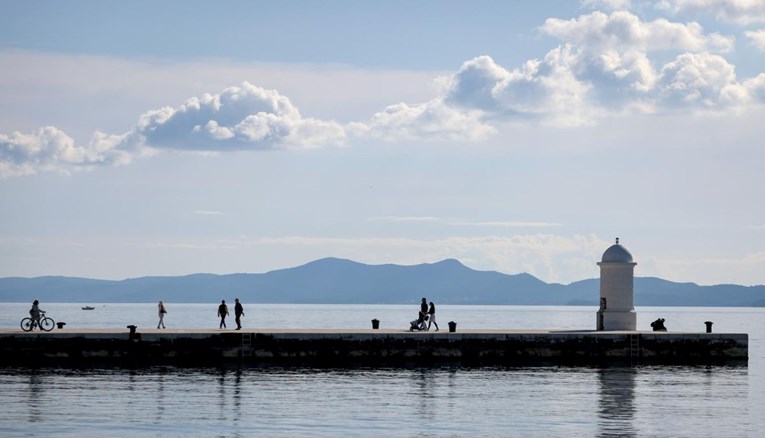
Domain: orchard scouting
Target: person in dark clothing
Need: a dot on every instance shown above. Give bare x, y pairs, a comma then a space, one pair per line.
238, 313
223, 313
35, 312
422, 316
432, 316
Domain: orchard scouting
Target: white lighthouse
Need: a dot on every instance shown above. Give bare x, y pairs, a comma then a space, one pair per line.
617, 273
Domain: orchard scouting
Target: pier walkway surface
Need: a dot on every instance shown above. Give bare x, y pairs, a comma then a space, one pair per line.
365, 347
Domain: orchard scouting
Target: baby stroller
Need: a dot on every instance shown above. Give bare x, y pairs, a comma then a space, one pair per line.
419, 323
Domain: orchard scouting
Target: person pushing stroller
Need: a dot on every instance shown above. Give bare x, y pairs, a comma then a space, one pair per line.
419, 323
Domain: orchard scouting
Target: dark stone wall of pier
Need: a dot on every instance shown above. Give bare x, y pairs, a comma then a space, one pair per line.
503, 350
370, 349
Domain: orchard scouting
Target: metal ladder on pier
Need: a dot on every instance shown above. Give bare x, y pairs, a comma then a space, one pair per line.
246, 345
634, 342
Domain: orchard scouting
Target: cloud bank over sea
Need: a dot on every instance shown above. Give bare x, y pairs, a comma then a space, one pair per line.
607, 63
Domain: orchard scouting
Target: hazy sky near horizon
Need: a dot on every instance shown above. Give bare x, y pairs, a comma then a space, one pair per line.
167, 138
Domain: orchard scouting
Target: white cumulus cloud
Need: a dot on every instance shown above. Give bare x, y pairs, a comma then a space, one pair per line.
546, 89
615, 54
50, 149
605, 62
701, 80
549, 89
622, 30
239, 118
434, 120
475, 84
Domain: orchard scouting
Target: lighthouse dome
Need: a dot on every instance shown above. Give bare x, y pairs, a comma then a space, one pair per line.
617, 254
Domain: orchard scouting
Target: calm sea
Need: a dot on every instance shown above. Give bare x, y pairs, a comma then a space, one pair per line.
532, 401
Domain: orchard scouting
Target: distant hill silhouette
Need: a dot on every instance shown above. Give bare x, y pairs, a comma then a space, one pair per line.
333, 280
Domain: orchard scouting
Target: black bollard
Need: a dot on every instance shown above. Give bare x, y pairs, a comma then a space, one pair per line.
132, 329
452, 326
709, 326
375, 324
60, 324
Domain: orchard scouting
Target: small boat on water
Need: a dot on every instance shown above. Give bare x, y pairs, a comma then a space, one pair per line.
88, 308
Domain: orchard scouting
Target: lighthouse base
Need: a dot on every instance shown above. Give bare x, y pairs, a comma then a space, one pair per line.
610, 320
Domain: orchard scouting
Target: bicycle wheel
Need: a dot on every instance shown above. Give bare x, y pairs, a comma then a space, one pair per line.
27, 324
47, 324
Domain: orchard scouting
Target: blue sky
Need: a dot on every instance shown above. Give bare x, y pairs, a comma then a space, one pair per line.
392, 34
167, 138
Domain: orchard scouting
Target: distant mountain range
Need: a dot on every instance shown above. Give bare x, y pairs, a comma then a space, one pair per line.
333, 280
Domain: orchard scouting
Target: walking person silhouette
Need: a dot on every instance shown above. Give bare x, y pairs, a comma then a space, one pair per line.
161, 311
223, 313
238, 313
432, 316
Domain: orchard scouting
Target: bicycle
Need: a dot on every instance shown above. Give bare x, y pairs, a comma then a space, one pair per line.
45, 323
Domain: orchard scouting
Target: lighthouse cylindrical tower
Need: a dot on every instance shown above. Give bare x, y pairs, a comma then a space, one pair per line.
617, 274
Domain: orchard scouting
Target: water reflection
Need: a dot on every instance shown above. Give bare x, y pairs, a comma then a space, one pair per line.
36, 394
229, 398
160, 397
132, 381
616, 404
222, 395
237, 395
642, 401
424, 385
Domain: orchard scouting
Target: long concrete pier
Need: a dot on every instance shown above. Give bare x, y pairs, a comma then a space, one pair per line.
384, 348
